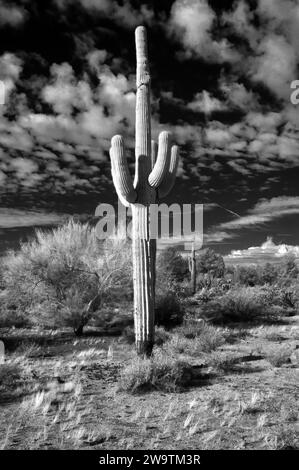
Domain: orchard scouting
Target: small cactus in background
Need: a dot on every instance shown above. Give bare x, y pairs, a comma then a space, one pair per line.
155, 170
192, 269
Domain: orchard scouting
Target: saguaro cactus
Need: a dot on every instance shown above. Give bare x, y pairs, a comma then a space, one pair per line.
155, 170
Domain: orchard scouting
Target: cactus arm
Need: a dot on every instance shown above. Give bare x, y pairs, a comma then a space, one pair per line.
120, 171
154, 152
163, 160
120, 197
169, 179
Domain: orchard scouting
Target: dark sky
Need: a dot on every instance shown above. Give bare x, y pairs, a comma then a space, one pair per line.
221, 76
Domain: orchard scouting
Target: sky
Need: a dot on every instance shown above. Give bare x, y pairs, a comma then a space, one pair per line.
221, 83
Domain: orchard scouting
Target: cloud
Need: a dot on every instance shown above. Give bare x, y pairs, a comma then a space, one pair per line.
215, 237
275, 65
241, 18
191, 23
265, 211
11, 15
10, 69
125, 14
268, 251
10, 218
205, 103
271, 53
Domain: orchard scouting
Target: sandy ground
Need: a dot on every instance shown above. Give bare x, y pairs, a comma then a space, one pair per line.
68, 398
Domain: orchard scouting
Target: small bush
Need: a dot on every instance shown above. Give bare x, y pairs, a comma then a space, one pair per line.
168, 311
207, 335
161, 335
10, 318
240, 304
160, 372
224, 363
209, 339
279, 357
10, 374
14, 379
128, 334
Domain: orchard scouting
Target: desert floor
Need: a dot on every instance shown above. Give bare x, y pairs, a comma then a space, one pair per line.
67, 396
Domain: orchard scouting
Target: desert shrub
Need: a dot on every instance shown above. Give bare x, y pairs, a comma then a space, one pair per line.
160, 372
69, 269
13, 378
210, 287
223, 362
14, 318
288, 269
205, 340
248, 276
240, 304
289, 295
279, 357
168, 309
269, 274
171, 266
128, 334
10, 373
210, 262
161, 335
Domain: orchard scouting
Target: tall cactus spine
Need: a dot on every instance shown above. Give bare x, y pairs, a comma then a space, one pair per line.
155, 170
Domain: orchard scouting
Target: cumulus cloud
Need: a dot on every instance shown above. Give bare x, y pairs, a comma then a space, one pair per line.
125, 14
10, 69
11, 15
267, 251
275, 65
191, 22
205, 103
272, 54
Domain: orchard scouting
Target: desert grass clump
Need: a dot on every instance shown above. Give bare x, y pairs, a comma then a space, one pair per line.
10, 317
225, 363
208, 337
160, 372
15, 379
194, 347
10, 373
279, 357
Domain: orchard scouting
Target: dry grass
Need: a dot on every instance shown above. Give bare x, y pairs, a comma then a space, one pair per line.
73, 400
280, 356
204, 340
160, 372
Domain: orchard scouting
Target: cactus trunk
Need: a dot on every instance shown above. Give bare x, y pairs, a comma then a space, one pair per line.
142, 282
154, 171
